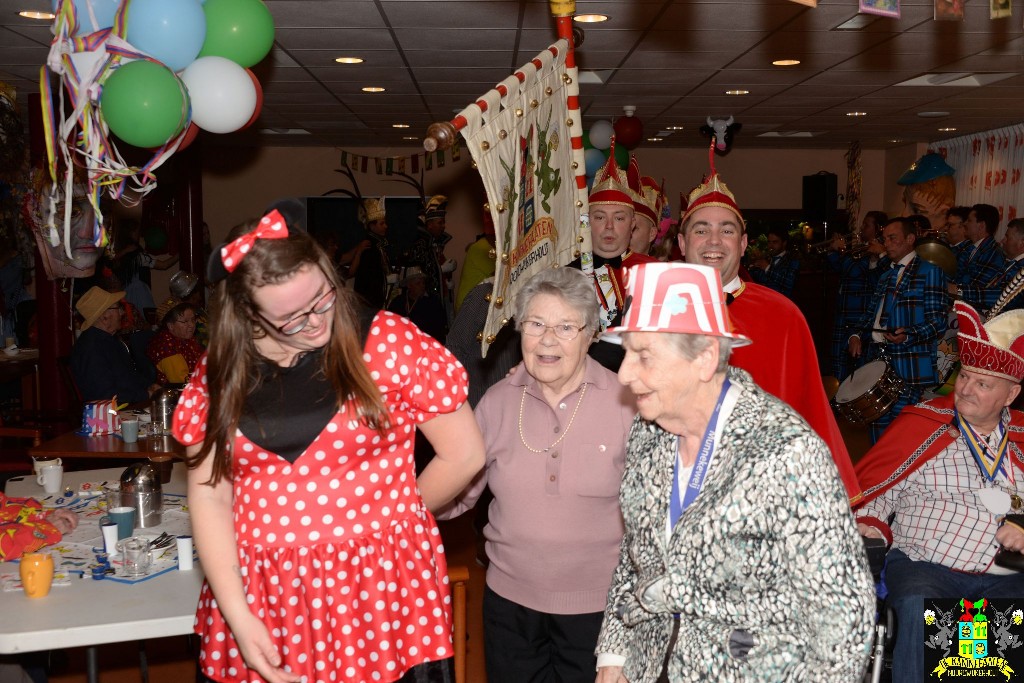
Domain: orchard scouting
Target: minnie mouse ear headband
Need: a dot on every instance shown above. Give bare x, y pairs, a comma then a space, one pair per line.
995, 348
225, 259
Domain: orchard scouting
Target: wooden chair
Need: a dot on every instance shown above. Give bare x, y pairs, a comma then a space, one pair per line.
458, 577
15, 459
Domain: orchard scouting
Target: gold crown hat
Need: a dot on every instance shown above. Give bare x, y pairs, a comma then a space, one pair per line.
435, 207
650, 199
712, 192
994, 348
611, 185
373, 209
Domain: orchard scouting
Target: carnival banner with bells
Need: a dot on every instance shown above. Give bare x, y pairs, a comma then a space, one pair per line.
521, 143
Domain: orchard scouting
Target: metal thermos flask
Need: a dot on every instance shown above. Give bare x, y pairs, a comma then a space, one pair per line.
164, 402
141, 488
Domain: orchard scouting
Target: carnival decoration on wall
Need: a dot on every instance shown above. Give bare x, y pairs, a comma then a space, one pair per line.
149, 73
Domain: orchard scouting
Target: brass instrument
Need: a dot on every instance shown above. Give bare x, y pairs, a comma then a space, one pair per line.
931, 247
856, 248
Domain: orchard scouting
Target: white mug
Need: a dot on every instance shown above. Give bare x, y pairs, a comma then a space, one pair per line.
50, 478
39, 463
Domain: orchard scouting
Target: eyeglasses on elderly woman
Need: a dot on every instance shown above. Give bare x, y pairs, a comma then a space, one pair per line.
564, 331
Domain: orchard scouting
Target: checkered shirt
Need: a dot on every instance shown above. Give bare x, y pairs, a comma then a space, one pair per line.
939, 517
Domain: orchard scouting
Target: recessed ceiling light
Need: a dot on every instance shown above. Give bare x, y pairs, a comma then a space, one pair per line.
399, 125
32, 14
786, 62
349, 60
895, 140
655, 139
737, 92
932, 114
946, 130
674, 128
856, 113
409, 137
590, 18
371, 88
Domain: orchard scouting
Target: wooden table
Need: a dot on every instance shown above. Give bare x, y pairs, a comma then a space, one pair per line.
25, 367
72, 445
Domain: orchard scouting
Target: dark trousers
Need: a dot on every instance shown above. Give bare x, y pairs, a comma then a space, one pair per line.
910, 583
526, 646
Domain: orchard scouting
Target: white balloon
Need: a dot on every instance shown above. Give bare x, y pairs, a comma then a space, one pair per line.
601, 134
223, 96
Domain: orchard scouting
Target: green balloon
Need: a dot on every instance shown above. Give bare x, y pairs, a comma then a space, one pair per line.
240, 30
156, 238
144, 103
586, 140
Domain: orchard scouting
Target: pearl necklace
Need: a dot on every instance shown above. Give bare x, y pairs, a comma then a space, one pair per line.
522, 437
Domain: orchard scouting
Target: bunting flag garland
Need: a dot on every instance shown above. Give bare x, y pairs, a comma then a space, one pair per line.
883, 8
999, 9
389, 165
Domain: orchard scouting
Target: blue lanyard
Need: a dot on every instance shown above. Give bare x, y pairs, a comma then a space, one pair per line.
989, 463
678, 502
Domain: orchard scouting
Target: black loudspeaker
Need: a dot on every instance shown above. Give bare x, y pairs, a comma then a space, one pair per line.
820, 197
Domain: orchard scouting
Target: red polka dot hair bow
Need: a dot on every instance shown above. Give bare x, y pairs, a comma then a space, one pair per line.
271, 227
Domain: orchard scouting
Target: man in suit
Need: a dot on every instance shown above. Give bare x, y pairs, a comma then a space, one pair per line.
780, 270
905, 319
955, 234
858, 273
1011, 294
984, 260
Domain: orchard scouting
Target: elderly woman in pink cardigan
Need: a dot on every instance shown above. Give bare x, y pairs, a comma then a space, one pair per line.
555, 431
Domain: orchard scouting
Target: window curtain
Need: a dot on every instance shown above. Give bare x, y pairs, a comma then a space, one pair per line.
988, 170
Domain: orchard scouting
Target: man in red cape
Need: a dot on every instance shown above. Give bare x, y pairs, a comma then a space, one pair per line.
612, 220
782, 359
944, 487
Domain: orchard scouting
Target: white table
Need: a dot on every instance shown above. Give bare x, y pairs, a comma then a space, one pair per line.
89, 613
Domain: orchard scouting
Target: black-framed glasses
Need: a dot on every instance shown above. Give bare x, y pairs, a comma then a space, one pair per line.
299, 322
564, 331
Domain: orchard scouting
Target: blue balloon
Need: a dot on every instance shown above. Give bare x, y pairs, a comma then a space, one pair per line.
594, 160
171, 31
102, 10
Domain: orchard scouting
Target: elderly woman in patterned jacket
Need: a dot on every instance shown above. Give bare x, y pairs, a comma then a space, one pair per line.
741, 560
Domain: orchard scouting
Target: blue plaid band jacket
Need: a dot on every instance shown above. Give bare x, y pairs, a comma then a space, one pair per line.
918, 303
978, 275
780, 276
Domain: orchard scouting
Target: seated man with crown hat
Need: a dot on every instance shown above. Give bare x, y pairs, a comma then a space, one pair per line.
612, 220
371, 268
944, 486
782, 359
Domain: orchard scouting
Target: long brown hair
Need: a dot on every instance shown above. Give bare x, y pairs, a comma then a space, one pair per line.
232, 361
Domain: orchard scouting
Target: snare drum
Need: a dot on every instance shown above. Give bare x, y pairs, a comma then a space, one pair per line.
869, 393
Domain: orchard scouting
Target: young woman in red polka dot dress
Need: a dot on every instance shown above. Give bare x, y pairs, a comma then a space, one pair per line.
322, 560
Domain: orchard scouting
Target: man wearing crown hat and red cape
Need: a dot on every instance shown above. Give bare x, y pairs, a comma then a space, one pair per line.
782, 359
648, 203
371, 268
943, 478
612, 220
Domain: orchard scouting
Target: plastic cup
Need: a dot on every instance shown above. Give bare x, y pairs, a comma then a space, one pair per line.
130, 429
184, 553
110, 539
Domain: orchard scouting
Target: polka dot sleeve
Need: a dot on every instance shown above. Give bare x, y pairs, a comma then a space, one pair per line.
416, 374
189, 425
